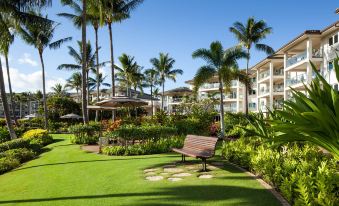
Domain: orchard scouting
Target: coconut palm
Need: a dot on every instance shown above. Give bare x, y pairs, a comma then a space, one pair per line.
126, 72
138, 79
115, 11
74, 82
59, 90
40, 35
151, 81
250, 35
164, 66
221, 64
94, 83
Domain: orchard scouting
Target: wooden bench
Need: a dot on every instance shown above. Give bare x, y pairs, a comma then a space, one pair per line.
199, 147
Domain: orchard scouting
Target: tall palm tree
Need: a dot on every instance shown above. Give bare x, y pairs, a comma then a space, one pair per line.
74, 82
15, 10
138, 79
221, 64
94, 83
126, 72
115, 11
59, 90
164, 66
40, 35
248, 35
151, 80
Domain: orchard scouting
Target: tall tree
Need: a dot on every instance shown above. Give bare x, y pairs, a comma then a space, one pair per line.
59, 90
40, 35
115, 11
248, 35
151, 80
94, 83
126, 72
74, 82
221, 64
164, 66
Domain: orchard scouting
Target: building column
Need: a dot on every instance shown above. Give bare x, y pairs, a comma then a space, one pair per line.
285, 76
257, 79
271, 86
309, 57
309, 48
238, 96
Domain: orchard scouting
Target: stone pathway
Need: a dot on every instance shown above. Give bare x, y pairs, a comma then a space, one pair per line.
179, 171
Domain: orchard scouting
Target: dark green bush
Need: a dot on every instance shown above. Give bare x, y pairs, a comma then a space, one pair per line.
14, 144
4, 135
85, 134
303, 174
191, 126
161, 146
132, 132
7, 164
21, 154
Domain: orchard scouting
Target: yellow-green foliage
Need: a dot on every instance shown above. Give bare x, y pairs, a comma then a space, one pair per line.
38, 136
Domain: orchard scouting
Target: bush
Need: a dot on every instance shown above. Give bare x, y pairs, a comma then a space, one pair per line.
85, 134
38, 136
161, 146
7, 164
21, 154
2, 122
4, 135
192, 126
143, 133
303, 174
14, 144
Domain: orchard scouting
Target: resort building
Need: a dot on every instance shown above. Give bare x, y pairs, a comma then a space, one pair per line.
22, 108
175, 97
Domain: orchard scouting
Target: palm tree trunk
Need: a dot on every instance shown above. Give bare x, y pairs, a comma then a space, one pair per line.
246, 89
222, 124
162, 96
5, 104
44, 98
112, 58
10, 89
152, 99
97, 60
84, 64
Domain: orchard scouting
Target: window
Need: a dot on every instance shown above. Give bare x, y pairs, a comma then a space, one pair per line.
252, 92
330, 66
252, 105
335, 39
330, 41
336, 87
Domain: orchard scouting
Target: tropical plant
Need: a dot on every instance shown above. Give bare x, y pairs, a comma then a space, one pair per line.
74, 82
164, 67
59, 90
319, 108
94, 83
40, 35
248, 35
112, 11
151, 80
221, 64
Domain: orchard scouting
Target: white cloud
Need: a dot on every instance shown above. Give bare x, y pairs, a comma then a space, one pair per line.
30, 82
26, 59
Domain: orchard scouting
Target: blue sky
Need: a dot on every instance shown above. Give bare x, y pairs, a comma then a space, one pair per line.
175, 26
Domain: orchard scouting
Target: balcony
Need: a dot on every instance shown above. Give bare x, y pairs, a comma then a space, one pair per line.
210, 86
296, 58
296, 80
230, 109
317, 53
177, 100
278, 104
278, 88
278, 72
264, 74
234, 83
264, 91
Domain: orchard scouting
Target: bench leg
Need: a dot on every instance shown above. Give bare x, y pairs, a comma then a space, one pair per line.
204, 164
183, 158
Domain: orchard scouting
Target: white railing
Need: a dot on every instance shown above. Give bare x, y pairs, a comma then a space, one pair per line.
297, 79
264, 74
278, 72
278, 88
296, 58
264, 91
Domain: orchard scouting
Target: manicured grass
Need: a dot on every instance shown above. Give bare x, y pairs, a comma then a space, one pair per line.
67, 175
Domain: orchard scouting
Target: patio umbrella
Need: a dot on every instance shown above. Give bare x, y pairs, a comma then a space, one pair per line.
118, 102
71, 116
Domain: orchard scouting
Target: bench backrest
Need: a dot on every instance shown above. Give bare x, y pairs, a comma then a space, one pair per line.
200, 144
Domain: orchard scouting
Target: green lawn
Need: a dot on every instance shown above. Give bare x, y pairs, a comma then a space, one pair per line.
66, 175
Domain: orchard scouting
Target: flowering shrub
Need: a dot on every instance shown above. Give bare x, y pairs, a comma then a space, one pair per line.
38, 136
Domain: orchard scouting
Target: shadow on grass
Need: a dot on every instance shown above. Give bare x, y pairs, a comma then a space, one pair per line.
197, 194
90, 161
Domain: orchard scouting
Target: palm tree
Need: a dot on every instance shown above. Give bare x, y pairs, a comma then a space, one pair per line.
74, 82
164, 67
115, 11
94, 83
59, 90
248, 35
151, 80
221, 64
126, 72
40, 35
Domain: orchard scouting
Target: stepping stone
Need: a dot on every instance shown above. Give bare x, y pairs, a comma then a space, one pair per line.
154, 178
173, 170
205, 176
210, 167
169, 166
182, 175
150, 173
191, 167
174, 179
150, 170
164, 173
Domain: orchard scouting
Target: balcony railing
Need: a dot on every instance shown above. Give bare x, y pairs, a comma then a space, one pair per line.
278, 72
264, 91
210, 86
230, 109
234, 83
278, 104
317, 53
297, 79
264, 74
278, 88
175, 100
296, 58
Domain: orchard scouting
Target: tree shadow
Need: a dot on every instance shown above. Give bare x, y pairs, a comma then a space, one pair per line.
175, 194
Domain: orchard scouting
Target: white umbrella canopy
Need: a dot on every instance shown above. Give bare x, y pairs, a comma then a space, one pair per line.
118, 102
31, 116
71, 116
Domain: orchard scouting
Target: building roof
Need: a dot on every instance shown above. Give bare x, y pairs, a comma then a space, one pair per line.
179, 90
